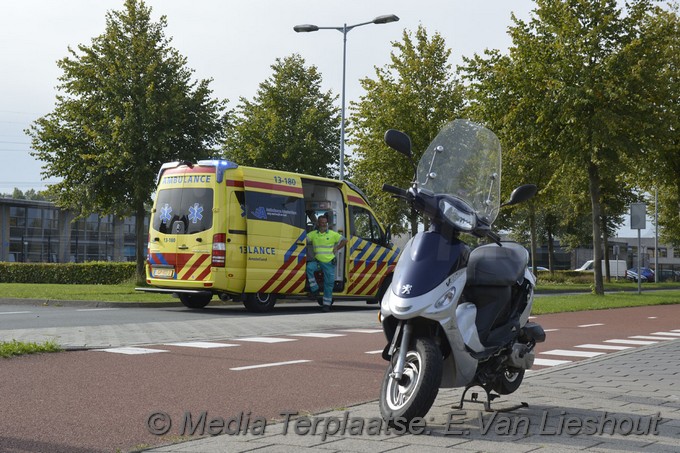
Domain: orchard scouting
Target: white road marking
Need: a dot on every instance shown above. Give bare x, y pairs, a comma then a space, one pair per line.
603, 347
265, 365
635, 342
265, 339
573, 353
551, 330
591, 325
670, 334
675, 330
651, 317
547, 362
97, 309
379, 351
318, 335
131, 350
362, 330
647, 337
202, 344
14, 312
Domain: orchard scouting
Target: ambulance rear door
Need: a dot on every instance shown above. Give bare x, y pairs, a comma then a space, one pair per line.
276, 242
182, 222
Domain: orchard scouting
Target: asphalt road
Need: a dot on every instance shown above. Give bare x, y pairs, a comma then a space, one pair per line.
102, 400
31, 316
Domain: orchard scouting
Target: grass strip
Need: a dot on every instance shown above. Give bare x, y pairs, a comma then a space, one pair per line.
15, 348
587, 301
102, 293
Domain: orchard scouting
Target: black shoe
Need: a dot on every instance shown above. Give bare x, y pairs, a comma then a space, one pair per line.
313, 295
325, 308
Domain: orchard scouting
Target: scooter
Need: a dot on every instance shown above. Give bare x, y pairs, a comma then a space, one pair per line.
455, 317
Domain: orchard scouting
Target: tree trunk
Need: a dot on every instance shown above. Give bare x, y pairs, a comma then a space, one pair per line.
551, 250
414, 222
532, 226
605, 243
594, 183
142, 239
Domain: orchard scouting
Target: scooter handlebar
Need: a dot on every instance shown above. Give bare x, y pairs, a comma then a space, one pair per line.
395, 190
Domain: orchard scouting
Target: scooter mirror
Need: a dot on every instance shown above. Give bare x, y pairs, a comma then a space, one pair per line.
398, 141
521, 194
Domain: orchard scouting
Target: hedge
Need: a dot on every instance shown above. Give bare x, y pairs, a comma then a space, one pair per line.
95, 272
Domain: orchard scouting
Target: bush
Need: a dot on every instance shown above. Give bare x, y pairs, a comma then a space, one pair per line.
92, 273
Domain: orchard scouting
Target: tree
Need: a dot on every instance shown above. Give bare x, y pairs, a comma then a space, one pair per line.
289, 125
575, 98
126, 104
415, 93
656, 59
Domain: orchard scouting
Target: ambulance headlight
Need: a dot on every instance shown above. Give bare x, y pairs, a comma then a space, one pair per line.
458, 213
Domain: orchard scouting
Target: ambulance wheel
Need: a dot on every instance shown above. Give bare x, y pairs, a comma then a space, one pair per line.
259, 302
195, 301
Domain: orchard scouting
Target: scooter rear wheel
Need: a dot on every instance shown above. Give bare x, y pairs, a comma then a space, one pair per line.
508, 382
412, 396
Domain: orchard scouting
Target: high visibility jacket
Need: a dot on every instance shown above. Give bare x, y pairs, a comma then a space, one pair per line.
323, 244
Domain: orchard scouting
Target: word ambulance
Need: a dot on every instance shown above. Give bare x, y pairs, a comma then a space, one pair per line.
238, 232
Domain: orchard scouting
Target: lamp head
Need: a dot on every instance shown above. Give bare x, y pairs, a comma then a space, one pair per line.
385, 19
304, 28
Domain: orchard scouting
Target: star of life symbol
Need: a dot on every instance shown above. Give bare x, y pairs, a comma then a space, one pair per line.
165, 213
406, 289
195, 213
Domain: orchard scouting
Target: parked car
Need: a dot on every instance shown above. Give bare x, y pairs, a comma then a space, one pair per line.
647, 275
669, 275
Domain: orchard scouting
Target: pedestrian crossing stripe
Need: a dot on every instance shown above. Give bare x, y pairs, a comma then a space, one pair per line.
201, 344
563, 352
265, 339
131, 350
550, 362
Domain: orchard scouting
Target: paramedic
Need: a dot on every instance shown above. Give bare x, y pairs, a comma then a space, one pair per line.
325, 244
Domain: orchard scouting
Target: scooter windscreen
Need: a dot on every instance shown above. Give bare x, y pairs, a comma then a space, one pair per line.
464, 160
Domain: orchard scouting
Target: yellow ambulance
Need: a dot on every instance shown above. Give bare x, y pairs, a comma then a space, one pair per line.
240, 233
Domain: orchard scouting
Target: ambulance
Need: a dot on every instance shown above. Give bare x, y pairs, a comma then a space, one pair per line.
240, 233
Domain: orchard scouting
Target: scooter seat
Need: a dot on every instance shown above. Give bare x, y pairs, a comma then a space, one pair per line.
493, 265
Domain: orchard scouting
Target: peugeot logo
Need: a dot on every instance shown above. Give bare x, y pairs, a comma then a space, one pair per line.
406, 289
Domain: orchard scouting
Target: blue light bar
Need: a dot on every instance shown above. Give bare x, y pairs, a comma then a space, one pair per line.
221, 165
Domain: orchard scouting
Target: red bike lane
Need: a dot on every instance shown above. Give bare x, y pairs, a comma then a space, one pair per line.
102, 401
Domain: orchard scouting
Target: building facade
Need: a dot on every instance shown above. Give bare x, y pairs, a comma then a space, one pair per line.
38, 231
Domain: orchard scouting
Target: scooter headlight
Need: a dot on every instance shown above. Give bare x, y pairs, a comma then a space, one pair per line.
458, 213
446, 299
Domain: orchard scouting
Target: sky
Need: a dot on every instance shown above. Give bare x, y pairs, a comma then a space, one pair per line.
234, 43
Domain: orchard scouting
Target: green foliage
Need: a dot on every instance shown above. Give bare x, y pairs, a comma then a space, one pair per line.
126, 104
14, 348
656, 60
568, 107
290, 124
417, 94
95, 272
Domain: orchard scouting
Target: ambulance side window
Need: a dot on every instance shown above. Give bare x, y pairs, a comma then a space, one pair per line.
364, 225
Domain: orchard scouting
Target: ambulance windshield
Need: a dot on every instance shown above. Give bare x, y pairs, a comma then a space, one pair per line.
183, 211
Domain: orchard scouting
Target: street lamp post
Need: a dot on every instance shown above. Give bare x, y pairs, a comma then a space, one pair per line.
385, 19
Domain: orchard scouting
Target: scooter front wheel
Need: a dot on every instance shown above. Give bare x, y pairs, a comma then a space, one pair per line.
412, 396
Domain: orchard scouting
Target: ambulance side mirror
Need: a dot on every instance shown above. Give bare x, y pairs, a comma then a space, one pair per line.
388, 237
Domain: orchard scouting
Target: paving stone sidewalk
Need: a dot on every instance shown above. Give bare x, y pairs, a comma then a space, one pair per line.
626, 401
